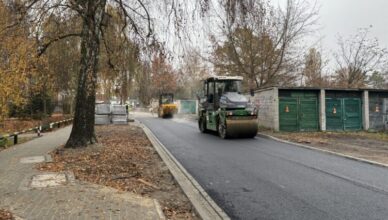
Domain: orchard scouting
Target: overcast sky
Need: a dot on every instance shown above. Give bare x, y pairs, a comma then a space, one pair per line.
345, 17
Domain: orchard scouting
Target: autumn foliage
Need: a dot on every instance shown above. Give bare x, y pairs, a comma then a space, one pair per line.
22, 72
164, 79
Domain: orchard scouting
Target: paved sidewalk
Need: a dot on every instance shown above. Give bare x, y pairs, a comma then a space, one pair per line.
73, 200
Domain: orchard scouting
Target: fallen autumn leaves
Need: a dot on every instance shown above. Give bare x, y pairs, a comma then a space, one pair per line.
125, 159
5, 215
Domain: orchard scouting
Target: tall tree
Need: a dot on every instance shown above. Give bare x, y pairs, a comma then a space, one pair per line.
94, 18
63, 56
119, 56
377, 81
92, 13
190, 74
144, 81
358, 57
164, 79
259, 39
21, 70
312, 74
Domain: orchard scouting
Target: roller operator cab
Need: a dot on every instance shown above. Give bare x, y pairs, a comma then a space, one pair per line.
166, 108
222, 108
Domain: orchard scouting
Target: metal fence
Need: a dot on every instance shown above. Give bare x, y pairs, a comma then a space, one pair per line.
37, 129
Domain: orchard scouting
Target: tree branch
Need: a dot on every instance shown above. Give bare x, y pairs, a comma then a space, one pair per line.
44, 47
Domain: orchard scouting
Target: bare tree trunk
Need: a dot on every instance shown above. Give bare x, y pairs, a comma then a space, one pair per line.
124, 87
82, 132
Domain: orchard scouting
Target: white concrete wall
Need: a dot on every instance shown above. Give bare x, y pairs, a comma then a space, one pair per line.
267, 102
365, 110
322, 110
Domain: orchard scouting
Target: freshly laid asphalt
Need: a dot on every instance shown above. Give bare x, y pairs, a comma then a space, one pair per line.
264, 179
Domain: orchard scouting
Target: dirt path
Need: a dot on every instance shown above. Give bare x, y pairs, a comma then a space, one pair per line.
125, 159
370, 146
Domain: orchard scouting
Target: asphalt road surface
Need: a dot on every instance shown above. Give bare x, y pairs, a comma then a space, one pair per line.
264, 179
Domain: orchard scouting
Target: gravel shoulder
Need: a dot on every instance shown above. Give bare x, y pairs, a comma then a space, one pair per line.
365, 145
125, 159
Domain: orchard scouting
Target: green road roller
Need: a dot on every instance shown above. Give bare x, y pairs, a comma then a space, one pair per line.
223, 109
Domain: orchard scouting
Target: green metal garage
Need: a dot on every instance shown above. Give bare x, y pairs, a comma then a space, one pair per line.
343, 110
298, 110
378, 110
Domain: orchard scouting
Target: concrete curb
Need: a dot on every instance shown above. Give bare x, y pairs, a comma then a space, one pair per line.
159, 210
324, 151
203, 204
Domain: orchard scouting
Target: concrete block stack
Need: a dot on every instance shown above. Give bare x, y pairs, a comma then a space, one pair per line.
119, 115
102, 115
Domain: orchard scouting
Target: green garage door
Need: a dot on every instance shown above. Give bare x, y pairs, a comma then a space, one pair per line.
308, 114
334, 120
343, 114
298, 114
288, 114
353, 115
